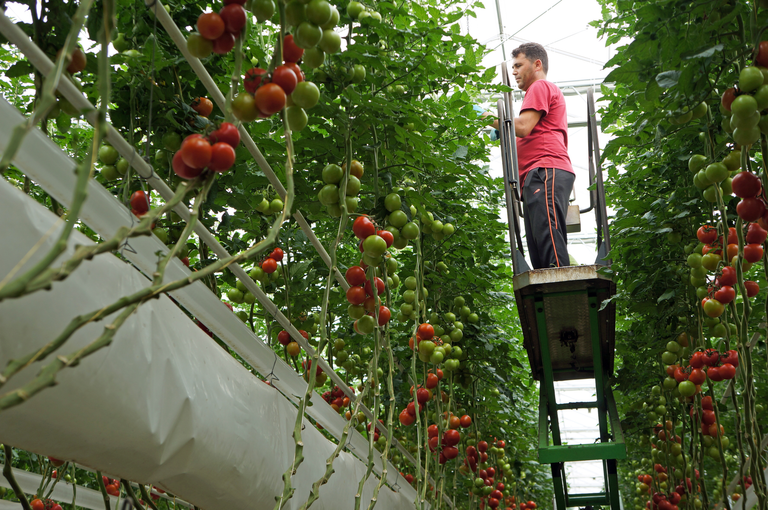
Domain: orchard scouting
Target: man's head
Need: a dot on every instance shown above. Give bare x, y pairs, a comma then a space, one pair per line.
530, 63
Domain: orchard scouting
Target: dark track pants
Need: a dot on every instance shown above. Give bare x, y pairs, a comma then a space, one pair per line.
545, 203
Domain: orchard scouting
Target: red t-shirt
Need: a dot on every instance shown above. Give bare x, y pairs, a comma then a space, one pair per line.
547, 144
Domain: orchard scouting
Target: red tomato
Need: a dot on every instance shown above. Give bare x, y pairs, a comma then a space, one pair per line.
387, 236
466, 421
697, 376
277, 254
745, 184
750, 209
753, 252
370, 304
224, 43
196, 151
285, 78
711, 357
270, 98
680, 374
182, 169
450, 452
222, 157
363, 227
762, 54
432, 431
482, 446
714, 374
37, 504
752, 288
253, 77
227, 133
406, 419
471, 451
731, 357
728, 371
706, 403
284, 337
210, 25
379, 286
708, 417
422, 395
140, 202
356, 276
269, 266
728, 276
384, 315
291, 52
356, 295
706, 234
234, 17
203, 106
728, 96
432, 381
425, 331
755, 233
451, 437
293, 66
726, 294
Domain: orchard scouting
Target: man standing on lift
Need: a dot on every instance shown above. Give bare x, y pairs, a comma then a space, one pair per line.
542, 151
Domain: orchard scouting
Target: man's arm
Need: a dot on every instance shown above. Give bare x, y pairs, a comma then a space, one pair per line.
526, 121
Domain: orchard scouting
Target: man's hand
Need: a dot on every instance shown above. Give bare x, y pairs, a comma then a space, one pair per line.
526, 121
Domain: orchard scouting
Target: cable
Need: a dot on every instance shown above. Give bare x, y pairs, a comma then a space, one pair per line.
534, 19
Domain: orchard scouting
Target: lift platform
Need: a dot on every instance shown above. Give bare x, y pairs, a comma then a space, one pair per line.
568, 325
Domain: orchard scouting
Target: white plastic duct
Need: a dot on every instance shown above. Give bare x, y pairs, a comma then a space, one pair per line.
162, 404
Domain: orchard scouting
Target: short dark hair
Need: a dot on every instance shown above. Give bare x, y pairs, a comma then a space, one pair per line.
533, 52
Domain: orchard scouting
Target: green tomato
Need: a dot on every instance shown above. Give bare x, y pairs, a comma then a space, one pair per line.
366, 324
329, 194
374, 245
355, 311
313, 58
297, 117
161, 234
717, 172
328, 25
295, 13
746, 136
172, 141
353, 186
763, 124
351, 203
750, 78
357, 73
744, 106
411, 283
319, 11
393, 202
332, 174
63, 122
330, 42
110, 173
668, 358
263, 9
244, 107
198, 46
697, 162
108, 154
409, 296
307, 35
276, 205
306, 94
410, 230
120, 44
354, 9
236, 296
398, 219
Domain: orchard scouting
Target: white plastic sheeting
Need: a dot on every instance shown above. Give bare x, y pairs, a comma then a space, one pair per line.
163, 404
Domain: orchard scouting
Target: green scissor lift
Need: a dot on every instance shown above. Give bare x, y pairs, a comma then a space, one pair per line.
567, 332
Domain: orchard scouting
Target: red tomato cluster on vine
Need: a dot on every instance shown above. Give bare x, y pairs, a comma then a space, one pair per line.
216, 152
219, 30
269, 265
47, 504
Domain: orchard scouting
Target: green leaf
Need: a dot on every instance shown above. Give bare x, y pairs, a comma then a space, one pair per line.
20, 68
705, 52
668, 79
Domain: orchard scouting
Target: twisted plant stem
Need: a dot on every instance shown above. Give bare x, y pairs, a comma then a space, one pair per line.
104, 495
8, 473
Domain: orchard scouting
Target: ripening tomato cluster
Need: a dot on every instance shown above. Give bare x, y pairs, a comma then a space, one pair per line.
338, 400
659, 500
293, 348
408, 477
216, 152
707, 417
112, 486
47, 504
216, 32
742, 105
266, 94
320, 376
